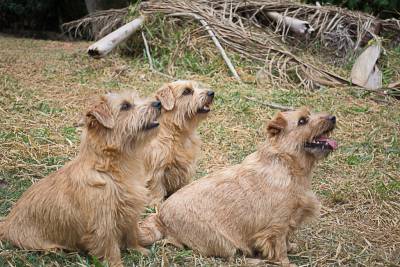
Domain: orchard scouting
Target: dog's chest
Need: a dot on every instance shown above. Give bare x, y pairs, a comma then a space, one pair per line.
179, 164
182, 153
124, 195
303, 206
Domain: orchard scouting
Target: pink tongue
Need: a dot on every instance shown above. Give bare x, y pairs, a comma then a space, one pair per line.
333, 144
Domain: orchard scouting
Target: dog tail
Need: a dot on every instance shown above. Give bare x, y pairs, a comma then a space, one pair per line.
150, 230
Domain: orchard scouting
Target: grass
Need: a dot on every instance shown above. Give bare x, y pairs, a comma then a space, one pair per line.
44, 86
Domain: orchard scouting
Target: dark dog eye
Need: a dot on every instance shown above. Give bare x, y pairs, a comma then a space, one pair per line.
125, 106
302, 121
187, 91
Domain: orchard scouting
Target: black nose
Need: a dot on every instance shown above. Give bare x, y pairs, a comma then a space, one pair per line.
156, 104
210, 93
332, 119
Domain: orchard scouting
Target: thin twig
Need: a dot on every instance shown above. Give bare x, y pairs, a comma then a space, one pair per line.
221, 50
381, 91
271, 105
146, 46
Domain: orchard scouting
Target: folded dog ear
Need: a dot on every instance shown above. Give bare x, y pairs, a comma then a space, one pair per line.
100, 113
166, 96
276, 125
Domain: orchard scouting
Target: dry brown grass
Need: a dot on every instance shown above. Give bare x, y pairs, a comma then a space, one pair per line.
44, 86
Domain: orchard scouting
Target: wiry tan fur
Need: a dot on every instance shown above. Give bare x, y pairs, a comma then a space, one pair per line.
250, 207
93, 203
171, 157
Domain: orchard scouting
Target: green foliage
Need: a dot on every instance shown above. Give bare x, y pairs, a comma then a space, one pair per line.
381, 8
175, 47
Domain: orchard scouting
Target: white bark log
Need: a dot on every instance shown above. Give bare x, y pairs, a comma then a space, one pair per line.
106, 44
295, 25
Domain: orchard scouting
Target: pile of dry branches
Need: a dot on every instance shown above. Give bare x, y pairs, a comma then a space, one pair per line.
263, 31
339, 28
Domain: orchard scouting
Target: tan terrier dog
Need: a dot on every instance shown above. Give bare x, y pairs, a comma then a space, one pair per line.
251, 207
93, 203
171, 157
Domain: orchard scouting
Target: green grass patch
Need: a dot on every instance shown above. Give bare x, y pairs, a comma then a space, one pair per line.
389, 190
357, 184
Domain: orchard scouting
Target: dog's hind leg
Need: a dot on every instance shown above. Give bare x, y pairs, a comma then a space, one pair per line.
281, 251
172, 240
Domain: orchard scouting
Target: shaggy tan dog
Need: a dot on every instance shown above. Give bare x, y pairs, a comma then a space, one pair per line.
251, 207
171, 157
93, 203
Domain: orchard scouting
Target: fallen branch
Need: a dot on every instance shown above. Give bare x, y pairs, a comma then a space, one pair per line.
215, 40
146, 46
105, 45
271, 105
394, 85
381, 91
221, 49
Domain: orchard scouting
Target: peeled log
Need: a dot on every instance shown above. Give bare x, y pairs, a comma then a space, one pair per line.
295, 25
106, 44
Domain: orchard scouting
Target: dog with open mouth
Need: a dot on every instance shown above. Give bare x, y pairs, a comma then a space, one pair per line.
171, 157
94, 202
253, 206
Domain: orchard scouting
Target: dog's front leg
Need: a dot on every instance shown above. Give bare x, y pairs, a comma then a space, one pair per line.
281, 251
272, 243
292, 247
102, 240
104, 247
157, 188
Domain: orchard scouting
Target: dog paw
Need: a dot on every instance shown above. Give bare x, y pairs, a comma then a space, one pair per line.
293, 247
255, 262
144, 251
286, 263
174, 242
